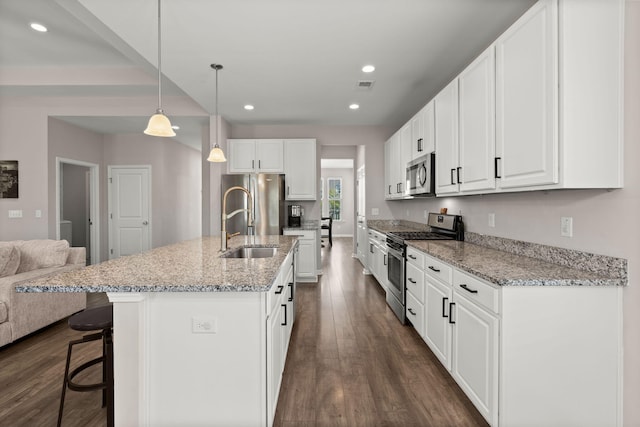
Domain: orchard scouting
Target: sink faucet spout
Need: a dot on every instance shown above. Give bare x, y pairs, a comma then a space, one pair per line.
225, 236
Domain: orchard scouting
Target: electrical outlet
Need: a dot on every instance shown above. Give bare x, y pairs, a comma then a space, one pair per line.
492, 220
38, 213
203, 325
566, 226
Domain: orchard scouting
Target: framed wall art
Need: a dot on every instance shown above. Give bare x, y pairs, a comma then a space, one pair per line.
8, 179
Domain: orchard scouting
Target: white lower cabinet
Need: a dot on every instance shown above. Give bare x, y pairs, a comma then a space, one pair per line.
377, 257
524, 355
306, 268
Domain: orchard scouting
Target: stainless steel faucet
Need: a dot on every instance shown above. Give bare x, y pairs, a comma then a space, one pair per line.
225, 236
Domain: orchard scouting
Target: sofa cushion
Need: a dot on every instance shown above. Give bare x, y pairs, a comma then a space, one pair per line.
9, 259
3, 312
36, 254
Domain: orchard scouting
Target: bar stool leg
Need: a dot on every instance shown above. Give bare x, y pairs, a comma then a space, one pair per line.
64, 384
108, 362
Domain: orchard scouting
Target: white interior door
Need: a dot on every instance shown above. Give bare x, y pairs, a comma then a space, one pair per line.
129, 210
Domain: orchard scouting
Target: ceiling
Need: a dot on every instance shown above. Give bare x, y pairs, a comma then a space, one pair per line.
297, 62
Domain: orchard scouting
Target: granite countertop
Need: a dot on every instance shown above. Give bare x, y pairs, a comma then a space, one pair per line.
509, 269
395, 226
306, 225
189, 266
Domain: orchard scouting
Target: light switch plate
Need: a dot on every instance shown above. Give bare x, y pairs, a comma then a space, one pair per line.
566, 226
15, 213
375, 211
492, 220
38, 213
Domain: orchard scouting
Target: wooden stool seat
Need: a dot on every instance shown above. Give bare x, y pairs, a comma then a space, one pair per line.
92, 319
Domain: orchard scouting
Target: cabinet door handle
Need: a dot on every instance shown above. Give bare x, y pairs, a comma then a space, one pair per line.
452, 181
287, 190
411, 280
253, 164
411, 311
280, 288
371, 247
389, 188
496, 168
285, 315
385, 259
419, 145
259, 164
432, 268
466, 288
412, 256
451, 305
291, 293
444, 307
458, 173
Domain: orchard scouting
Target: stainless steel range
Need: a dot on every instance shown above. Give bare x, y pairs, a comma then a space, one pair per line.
443, 227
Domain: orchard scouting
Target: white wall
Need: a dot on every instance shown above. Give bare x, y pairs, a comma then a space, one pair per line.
176, 182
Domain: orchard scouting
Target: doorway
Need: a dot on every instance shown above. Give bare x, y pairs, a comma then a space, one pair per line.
129, 210
77, 202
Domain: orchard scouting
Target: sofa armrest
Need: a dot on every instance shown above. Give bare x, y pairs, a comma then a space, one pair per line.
77, 256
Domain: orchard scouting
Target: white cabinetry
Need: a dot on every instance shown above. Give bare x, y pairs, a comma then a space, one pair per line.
446, 123
377, 257
559, 97
256, 155
362, 241
308, 242
300, 169
516, 349
281, 315
422, 132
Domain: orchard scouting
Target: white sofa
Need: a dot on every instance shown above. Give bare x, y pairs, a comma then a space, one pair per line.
23, 313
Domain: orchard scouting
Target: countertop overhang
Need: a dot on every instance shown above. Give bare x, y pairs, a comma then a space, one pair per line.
189, 266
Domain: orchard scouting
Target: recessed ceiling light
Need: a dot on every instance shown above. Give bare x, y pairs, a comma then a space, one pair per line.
175, 127
368, 69
248, 107
354, 106
38, 27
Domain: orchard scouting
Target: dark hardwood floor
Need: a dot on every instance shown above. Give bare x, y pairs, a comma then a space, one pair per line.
350, 363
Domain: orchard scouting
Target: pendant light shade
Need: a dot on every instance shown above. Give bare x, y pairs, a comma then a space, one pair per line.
216, 155
159, 124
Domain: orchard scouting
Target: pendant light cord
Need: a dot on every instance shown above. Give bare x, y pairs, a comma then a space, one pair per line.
216, 67
159, 60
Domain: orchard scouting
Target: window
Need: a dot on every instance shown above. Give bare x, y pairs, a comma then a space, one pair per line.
334, 197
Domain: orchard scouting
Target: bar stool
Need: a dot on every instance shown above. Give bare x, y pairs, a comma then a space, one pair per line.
92, 319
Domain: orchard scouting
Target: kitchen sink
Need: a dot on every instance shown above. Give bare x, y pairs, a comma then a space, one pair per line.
250, 252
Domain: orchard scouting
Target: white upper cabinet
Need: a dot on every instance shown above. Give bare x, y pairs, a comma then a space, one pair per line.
476, 85
559, 97
446, 124
256, 155
300, 169
422, 132
527, 99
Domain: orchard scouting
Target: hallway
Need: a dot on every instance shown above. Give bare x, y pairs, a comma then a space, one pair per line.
351, 362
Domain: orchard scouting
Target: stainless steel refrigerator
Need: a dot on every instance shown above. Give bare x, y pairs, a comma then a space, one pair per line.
267, 191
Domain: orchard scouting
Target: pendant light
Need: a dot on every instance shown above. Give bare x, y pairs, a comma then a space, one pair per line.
159, 124
216, 154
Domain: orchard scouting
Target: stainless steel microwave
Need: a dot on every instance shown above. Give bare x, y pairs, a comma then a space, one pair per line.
421, 176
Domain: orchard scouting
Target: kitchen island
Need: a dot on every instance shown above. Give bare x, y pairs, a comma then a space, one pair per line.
199, 339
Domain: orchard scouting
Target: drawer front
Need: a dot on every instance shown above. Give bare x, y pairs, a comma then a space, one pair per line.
415, 257
415, 281
276, 293
438, 269
415, 313
304, 234
476, 290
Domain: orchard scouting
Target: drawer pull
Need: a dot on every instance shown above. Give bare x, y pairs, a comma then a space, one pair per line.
473, 291
444, 307
411, 311
432, 268
279, 291
451, 305
411, 280
412, 257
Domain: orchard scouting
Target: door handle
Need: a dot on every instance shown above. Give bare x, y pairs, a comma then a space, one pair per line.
279, 291
452, 171
451, 305
285, 315
145, 222
385, 259
259, 165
